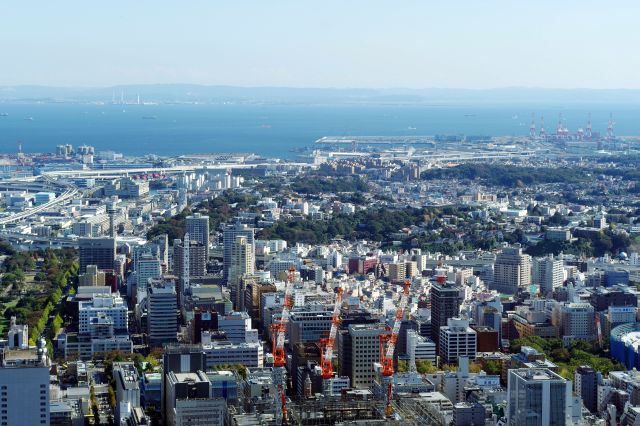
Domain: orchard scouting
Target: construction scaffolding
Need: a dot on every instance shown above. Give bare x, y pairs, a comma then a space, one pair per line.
326, 412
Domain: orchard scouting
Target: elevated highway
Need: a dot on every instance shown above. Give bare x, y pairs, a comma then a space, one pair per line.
164, 170
64, 194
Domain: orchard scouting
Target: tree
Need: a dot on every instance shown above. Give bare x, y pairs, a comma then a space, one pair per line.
425, 367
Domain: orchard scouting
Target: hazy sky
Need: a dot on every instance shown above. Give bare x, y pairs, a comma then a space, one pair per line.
323, 43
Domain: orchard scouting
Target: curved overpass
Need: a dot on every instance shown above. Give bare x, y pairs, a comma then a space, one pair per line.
68, 192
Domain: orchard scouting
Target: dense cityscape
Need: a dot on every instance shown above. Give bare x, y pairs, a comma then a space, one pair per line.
446, 280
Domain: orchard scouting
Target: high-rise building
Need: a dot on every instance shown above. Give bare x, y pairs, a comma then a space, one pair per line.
512, 270
148, 267
197, 226
603, 298
197, 259
359, 349
189, 401
109, 305
249, 353
162, 242
235, 326
92, 277
309, 325
468, 413
577, 321
127, 384
537, 397
457, 339
548, 273
420, 348
397, 272
445, 304
179, 359
24, 385
242, 264
253, 291
586, 387
162, 319
229, 237
96, 251
197, 262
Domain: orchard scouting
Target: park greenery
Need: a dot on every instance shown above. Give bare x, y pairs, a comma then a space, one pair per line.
35, 306
570, 357
510, 176
311, 184
427, 367
219, 209
597, 244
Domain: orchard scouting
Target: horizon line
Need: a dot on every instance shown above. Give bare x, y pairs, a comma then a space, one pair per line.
337, 88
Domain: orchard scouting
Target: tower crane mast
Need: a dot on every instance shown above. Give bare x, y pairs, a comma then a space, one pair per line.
386, 356
328, 343
278, 333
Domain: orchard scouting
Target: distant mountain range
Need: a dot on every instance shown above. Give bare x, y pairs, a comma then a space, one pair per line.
167, 93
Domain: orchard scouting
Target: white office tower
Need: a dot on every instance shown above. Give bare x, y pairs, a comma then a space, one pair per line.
197, 226
537, 397
127, 384
24, 385
148, 267
229, 237
235, 326
548, 273
512, 270
162, 319
457, 339
420, 348
242, 264
103, 305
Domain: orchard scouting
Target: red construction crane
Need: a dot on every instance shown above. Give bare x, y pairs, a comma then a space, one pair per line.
278, 332
327, 344
386, 357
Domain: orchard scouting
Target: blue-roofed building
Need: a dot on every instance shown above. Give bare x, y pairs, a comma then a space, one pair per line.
625, 344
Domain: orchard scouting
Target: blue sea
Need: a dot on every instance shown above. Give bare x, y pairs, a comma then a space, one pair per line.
273, 130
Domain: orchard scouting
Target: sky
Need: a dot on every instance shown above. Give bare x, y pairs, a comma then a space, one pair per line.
473, 44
